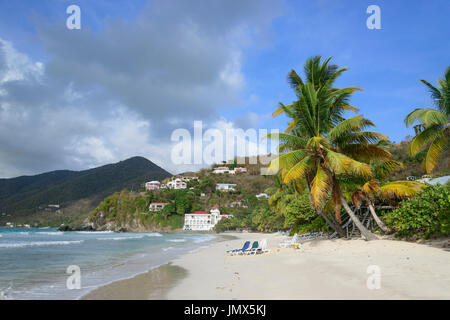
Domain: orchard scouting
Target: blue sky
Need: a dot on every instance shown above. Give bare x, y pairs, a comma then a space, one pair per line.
413, 44
257, 42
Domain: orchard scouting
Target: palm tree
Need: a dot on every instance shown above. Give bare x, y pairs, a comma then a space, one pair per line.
320, 161
316, 150
395, 189
320, 166
433, 130
318, 75
382, 167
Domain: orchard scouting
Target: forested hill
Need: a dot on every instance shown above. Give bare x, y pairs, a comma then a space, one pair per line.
29, 195
413, 164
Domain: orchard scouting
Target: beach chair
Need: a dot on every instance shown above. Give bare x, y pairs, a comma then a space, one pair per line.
262, 248
289, 243
254, 247
311, 235
236, 251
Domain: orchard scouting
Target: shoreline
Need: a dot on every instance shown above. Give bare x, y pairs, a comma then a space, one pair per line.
320, 269
151, 284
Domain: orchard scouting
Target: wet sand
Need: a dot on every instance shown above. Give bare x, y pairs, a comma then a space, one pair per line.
152, 285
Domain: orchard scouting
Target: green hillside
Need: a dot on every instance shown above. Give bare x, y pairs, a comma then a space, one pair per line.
26, 199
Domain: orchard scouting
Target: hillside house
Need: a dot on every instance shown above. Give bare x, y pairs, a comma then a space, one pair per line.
157, 206
226, 186
176, 184
152, 185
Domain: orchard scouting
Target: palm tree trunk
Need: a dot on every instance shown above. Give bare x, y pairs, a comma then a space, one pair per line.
377, 218
334, 226
364, 231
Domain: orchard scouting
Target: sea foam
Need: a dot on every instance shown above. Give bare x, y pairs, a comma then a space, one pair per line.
38, 243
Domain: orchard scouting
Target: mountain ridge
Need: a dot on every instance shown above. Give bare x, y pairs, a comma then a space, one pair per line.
25, 196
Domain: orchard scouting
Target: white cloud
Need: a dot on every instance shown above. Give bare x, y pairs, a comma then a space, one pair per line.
107, 96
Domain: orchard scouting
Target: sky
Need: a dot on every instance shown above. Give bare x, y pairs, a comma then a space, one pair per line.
137, 70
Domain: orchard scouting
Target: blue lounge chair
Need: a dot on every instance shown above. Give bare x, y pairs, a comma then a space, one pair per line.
236, 251
254, 247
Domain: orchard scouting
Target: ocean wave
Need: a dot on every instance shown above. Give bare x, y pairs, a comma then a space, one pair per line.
122, 238
38, 243
168, 248
154, 234
23, 233
95, 232
54, 233
177, 240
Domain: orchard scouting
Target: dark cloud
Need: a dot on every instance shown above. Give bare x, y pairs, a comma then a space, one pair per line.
179, 61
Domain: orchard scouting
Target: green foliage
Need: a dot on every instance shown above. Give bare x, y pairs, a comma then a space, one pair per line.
316, 224
425, 215
299, 211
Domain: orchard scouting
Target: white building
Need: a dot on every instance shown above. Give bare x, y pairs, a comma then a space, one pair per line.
187, 179
226, 186
152, 185
262, 195
203, 221
224, 169
157, 206
238, 204
176, 184
240, 169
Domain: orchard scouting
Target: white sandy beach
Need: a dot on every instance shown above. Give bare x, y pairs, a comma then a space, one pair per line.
320, 269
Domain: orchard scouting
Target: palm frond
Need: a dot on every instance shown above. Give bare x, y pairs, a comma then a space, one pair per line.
423, 138
370, 188
298, 170
366, 152
341, 130
427, 117
384, 169
439, 144
320, 187
400, 189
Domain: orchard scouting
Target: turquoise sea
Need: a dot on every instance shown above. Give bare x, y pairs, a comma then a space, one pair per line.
34, 262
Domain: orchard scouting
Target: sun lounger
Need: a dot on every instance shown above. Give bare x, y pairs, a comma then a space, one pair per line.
311, 235
236, 251
290, 242
262, 248
254, 247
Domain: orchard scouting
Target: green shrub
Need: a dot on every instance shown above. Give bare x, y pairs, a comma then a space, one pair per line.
425, 215
299, 212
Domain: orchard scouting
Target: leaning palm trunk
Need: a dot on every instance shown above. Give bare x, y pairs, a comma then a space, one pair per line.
334, 226
364, 231
377, 219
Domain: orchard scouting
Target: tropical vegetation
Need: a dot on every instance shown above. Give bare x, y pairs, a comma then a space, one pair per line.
433, 128
425, 215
